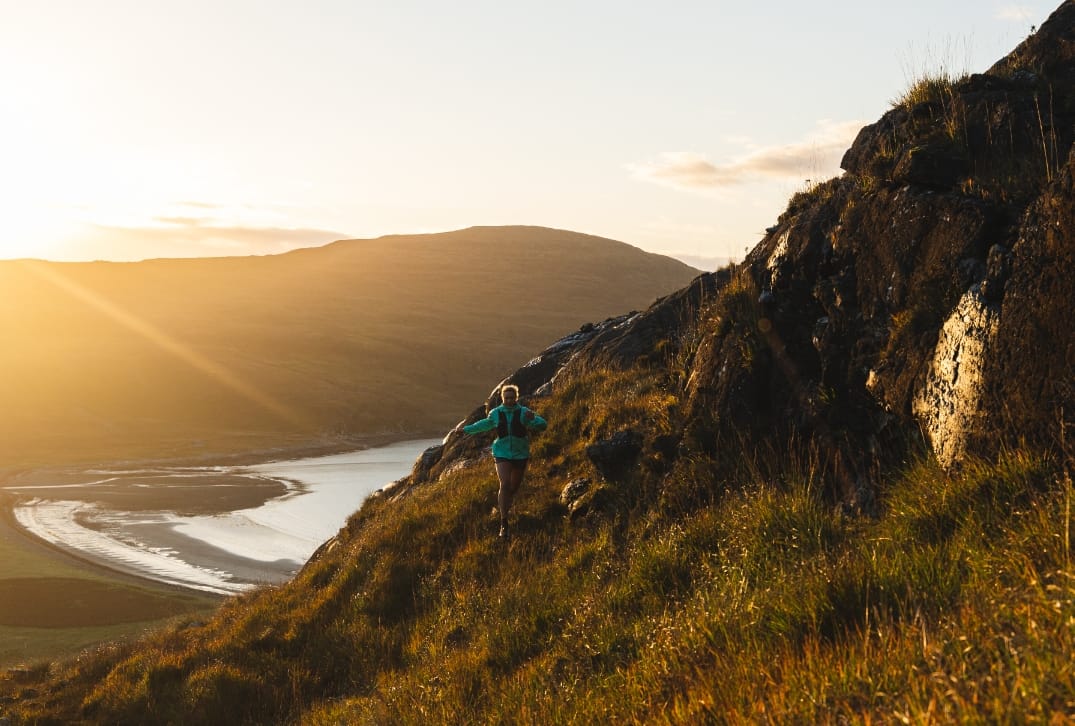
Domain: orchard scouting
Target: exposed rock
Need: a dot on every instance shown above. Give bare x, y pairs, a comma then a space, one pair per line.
997, 269
972, 270
656, 333
600, 500
1030, 370
427, 461
615, 456
822, 333
938, 165
948, 405
574, 490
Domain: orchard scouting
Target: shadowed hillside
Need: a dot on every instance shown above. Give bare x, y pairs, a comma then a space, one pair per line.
319, 346
830, 485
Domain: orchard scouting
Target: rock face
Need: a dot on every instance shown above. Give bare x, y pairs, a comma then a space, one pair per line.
1030, 370
924, 289
926, 294
948, 405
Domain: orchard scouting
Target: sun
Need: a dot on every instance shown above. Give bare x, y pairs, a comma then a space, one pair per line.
33, 230
35, 219
34, 227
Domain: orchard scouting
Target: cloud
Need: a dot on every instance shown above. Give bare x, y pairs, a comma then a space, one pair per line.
1014, 13
192, 237
685, 170
816, 157
199, 205
181, 221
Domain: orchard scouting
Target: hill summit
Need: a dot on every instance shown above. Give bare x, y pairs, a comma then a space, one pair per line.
831, 484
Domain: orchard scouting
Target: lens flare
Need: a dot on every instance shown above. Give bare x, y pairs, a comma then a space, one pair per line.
167, 343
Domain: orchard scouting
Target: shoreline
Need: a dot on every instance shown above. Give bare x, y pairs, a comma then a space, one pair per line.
252, 574
82, 562
298, 451
108, 569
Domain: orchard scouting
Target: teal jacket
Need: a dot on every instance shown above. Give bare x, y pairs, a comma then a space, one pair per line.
511, 441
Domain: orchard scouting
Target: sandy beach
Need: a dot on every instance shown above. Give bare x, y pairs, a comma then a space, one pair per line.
183, 491
46, 556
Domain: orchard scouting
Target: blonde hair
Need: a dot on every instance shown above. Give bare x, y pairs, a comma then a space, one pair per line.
508, 387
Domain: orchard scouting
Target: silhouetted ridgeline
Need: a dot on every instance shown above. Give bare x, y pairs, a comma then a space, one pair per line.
689, 543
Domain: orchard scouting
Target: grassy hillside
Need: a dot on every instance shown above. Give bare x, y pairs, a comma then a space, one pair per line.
202, 357
727, 587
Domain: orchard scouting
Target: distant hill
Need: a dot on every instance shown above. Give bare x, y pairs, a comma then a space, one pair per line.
204, 356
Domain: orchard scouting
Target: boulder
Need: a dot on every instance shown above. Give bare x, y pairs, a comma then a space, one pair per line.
574, 490
616, 456
596, 501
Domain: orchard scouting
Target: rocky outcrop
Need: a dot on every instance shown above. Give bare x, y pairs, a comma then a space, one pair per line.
1029, 373
924, 289
948, 405
925, 294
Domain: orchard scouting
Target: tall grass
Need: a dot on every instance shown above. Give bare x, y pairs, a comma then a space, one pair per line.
933, 71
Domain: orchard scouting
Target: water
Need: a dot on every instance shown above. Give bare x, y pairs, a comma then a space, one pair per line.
293, 526
230, 552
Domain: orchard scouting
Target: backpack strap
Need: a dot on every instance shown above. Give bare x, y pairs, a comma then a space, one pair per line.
517, 427
512, 426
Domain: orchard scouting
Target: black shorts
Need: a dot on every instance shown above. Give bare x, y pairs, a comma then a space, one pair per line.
515, 463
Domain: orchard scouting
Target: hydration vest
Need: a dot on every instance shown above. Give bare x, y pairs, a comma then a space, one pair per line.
514, 427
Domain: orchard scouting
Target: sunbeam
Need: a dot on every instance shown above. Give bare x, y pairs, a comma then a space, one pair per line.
167, 343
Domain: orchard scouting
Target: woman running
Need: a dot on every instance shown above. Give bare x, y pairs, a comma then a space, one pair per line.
511, 450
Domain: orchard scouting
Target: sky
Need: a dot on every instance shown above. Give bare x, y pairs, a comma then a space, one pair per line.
134, 129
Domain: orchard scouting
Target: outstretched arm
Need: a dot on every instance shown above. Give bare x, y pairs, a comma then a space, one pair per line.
485, 424
533, 421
